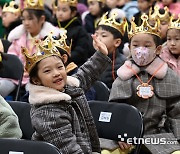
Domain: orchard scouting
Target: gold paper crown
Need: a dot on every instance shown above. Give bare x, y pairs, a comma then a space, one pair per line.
111, 21
34, 4
11, 7
174, 23
45, 48
144, 28
70, 2
162, 17
102, 1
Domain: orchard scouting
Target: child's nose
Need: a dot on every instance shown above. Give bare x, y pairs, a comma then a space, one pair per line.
56, 73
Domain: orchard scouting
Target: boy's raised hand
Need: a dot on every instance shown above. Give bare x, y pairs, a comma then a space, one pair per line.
98, 45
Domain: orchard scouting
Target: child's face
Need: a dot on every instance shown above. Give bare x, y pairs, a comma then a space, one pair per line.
173, 41
164, 28
143, 5
52, 73
31, 23
108, 39
94, 8
111, 3
8, 18
63, 12
143, 49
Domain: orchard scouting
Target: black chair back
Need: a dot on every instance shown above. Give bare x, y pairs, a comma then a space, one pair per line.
102, 91
22, 109
13, 69
117, 121
19, 146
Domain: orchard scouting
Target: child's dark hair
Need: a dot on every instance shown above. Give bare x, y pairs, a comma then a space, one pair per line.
116, 34
37, 13
33, 73
73, 9
157, 40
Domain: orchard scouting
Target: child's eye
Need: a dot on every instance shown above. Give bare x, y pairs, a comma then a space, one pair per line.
135, 45
60, 67
46, 71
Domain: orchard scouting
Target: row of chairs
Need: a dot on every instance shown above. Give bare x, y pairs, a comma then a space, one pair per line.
111, 119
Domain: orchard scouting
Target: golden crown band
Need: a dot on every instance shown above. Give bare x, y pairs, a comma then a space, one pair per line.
70, 2
45, 48
162, 17
174, 23
11, 7
34, 4
111, 22
145, 27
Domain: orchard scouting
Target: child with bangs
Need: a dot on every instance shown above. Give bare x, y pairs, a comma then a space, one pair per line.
68, 18
60, 113
33, 26
164, 17
112, 35
170, 52
146, 82
10, 17
96, 9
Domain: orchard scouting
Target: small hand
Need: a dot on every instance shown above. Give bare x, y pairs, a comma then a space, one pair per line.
98, 45
124, 146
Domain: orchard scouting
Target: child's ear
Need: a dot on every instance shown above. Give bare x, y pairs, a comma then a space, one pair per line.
158, 49
65, 58
16, 15
42, 19
117, 42
73, 13
36, 81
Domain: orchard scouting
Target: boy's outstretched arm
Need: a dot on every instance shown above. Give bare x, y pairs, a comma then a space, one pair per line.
91, 70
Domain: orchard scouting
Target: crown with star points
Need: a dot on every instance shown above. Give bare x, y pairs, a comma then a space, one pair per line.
45, 48
156, 14
11, 7
174, 23
145, 27
111, 22
34, 4
70, 2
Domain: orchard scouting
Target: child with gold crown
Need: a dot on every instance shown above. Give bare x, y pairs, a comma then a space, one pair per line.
11, 14
68, 18
34, 25
170, 53
146, 82
164, 17
60, 113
